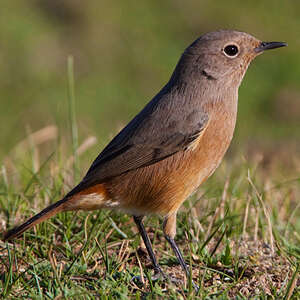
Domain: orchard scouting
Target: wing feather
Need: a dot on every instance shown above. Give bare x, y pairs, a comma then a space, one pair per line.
157, 132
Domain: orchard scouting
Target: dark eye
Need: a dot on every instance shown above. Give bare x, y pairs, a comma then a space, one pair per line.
231, 50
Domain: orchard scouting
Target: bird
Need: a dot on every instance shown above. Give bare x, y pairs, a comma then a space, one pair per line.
173, 144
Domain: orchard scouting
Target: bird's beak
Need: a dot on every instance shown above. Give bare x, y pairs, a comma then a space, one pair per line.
269, 45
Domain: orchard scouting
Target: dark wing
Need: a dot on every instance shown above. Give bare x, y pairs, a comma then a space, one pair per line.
160, 130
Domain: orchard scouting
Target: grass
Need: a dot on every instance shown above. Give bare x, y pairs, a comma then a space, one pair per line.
124, 52
240, 234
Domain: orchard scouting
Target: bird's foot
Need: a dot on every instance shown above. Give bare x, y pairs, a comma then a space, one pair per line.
158, 275
162, 276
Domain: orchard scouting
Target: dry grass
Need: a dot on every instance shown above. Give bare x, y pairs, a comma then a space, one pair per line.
240, 233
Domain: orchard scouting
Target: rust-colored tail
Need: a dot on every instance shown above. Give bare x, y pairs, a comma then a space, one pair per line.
45, 214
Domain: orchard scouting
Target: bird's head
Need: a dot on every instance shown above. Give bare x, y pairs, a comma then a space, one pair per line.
222, 56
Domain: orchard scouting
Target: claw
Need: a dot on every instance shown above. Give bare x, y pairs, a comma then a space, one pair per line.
160, 275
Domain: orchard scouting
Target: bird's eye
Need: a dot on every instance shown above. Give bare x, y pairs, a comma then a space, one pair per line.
231, 50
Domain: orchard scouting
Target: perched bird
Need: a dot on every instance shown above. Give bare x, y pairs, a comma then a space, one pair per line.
173, 145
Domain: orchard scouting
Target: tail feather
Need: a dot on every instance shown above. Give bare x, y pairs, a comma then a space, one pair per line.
45, 214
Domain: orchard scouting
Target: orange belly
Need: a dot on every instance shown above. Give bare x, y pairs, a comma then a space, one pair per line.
162, 187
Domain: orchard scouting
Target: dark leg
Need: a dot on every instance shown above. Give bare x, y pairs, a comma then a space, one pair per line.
170, 231
139, 222
178, 254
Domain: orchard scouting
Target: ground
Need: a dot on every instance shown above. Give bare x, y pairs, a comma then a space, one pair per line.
239, 233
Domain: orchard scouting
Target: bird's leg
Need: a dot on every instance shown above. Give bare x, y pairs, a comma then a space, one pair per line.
139, 223
169, 228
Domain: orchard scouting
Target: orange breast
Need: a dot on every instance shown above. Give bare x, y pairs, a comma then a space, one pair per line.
162, 187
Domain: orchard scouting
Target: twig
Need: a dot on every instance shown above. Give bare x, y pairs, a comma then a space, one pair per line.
265, 210
246, 217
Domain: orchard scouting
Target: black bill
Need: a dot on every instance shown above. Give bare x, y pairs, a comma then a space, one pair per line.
269, 45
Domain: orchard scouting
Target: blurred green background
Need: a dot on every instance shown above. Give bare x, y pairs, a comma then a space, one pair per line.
125, 51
